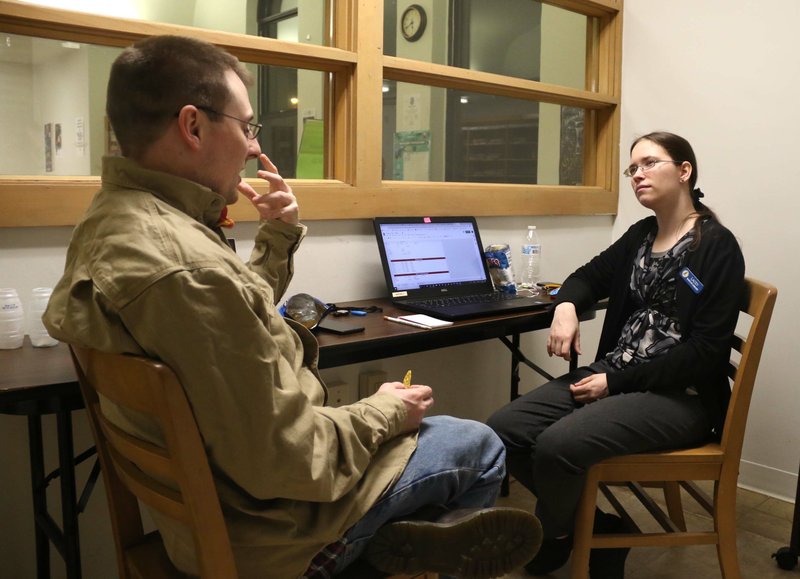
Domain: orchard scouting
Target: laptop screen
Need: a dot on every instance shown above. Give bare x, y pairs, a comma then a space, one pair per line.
439, 254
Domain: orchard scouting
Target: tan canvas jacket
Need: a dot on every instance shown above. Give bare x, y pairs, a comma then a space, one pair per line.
148, 273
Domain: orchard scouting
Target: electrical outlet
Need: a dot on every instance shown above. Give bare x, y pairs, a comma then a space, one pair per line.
369, 382
340, 394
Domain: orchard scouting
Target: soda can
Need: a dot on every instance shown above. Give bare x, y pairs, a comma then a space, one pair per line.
498, 259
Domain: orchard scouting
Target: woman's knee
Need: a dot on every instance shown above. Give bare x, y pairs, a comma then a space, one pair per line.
556, 450
499, 422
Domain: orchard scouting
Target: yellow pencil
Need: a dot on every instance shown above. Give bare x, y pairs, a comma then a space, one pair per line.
407, 379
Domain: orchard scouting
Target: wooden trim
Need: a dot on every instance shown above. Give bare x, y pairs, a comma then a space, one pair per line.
357, 67
408, 198
588, 7
340, 143
415, 71
608, 119
62, 201
590, 120
31, 20
368, 106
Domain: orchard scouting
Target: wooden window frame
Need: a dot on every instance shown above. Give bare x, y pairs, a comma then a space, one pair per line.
357, 67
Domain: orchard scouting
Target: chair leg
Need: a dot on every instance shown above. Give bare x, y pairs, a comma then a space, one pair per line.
672, 496
584, 524
725, 523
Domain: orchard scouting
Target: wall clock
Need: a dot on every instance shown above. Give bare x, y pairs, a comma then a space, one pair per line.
413, 22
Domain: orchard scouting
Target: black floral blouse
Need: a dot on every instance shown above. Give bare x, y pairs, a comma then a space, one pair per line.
653, 328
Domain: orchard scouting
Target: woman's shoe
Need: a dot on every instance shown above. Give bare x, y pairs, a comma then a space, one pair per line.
608, 563
552, 555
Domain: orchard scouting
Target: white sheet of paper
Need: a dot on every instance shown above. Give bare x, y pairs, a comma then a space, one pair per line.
426, 320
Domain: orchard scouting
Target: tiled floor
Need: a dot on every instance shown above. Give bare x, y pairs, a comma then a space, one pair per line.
764, 527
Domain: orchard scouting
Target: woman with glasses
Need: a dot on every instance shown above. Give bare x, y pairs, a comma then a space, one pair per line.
674, 282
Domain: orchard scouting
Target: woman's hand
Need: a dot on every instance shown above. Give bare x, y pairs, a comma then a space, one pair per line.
589, 389
418, 399
565, 332
280, 202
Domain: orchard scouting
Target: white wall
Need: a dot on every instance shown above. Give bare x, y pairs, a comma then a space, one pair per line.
725, 74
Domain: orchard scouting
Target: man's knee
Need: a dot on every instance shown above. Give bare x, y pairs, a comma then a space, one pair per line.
468, 430
463, 436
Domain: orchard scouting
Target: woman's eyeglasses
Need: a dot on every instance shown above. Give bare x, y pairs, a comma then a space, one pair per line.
646, 166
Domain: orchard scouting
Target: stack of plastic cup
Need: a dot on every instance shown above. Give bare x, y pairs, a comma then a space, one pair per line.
36, 330
12, 320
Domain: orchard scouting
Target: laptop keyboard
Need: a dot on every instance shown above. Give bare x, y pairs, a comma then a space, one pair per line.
463, 300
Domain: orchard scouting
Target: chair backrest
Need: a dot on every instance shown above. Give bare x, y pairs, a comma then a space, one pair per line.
758, 303
174, 479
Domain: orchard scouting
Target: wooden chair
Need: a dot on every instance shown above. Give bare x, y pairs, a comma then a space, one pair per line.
718, 462
151, 388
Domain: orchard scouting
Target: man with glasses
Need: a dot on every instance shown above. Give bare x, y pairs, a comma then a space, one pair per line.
305, 489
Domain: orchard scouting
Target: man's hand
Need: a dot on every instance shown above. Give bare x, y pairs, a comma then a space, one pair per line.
565, 332
589, 389
418, 399
280, 202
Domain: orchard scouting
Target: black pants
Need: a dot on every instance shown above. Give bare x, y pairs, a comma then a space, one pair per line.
551, 440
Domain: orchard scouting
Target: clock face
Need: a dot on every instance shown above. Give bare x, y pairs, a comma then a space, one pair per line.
413, 22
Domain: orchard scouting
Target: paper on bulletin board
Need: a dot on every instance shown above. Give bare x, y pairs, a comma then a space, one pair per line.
412, 155
48, 147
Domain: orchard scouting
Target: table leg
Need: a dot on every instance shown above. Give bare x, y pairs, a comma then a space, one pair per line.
573, 359
69, 508
514, 394
39, 492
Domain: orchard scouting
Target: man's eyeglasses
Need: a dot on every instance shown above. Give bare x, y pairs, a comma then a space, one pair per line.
646, 166
252, 129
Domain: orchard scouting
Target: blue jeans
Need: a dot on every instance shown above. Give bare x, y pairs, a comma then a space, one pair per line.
458, 463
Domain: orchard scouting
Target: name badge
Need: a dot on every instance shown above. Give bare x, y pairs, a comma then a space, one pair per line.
691, 280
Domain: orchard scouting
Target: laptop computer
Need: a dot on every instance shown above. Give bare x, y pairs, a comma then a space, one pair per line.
435, 266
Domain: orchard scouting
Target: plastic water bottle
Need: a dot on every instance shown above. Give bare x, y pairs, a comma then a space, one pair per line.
36, 330
531, 255
12, 320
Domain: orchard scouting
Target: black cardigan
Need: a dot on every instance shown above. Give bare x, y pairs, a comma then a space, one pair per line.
707, 320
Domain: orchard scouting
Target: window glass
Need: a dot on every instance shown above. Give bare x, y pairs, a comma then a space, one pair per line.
54, 105
539, 42
435, 134
301, 21
54, 99
290, 101
291, 107
291, 20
